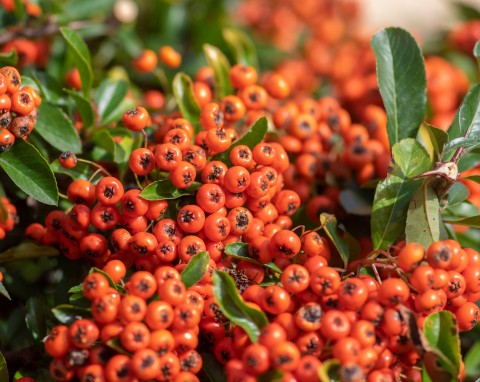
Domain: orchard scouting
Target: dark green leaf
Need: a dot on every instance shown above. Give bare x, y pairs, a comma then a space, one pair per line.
424, 223
27, 250
3, 368
80, 171
30, 172
221, 68
164, 189
183, 90
329, 225
195, 269
9, 58
239, 251
233, 307
468, 161
4, 292
329, 371
36, 317
473, 178
76, 289
81, 55
242, 47
104, 139
466, 12
355, 202
109, 95
393, 195
458, 193
401, 80
214, 370
57, 129
253, 136
473, 221
467, 121
273, 375
115, 344
67, 314
438, 138
110, 281
84, 107
440, 336
472, 361
50, 88
476, 52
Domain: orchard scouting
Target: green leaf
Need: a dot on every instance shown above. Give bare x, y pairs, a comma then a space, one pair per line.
424, 223
239, 251
30, 172
458, 193
465, 11
110, 281
393, 195
57, 129
329, 371
4, 292
221, 68
473, 221
36, 317
104, 139
164, 189
472, 361
253, 136
84, 107
81, 55
440, 336
3, 368
233, 307
195, 269
67, 314
473, 178
467, 121
329, 225
9, 58
183, 90
212, 368
356, 202
27, 250
401, 80
438, 138
242, 47
115, 344
476, 52
109, 95
80, 171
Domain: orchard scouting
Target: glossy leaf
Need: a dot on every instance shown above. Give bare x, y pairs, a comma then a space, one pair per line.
438, 139
30, 172
195, 269
424, 224
473, 178
393, 195
401, 80
67, 314
221, 68
164, 189
183, 90
3, 368
212, 368
233, 307
239, 251
472, 361
476, 52
467, 121
81, 170
4, 292
253, 136
9, 58
329, 371
440, 336
36, 318
356, 202
27, 250
57, 129
242, 47
115, 344
458, 193
473, 221
82, 58
84, 107
329, 224
104, 139
109, 95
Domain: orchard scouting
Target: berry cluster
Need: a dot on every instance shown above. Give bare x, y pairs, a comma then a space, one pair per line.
8, 216
18, 107
148, 331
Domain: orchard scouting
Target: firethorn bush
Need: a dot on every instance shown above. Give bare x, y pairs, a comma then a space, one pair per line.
274, 196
